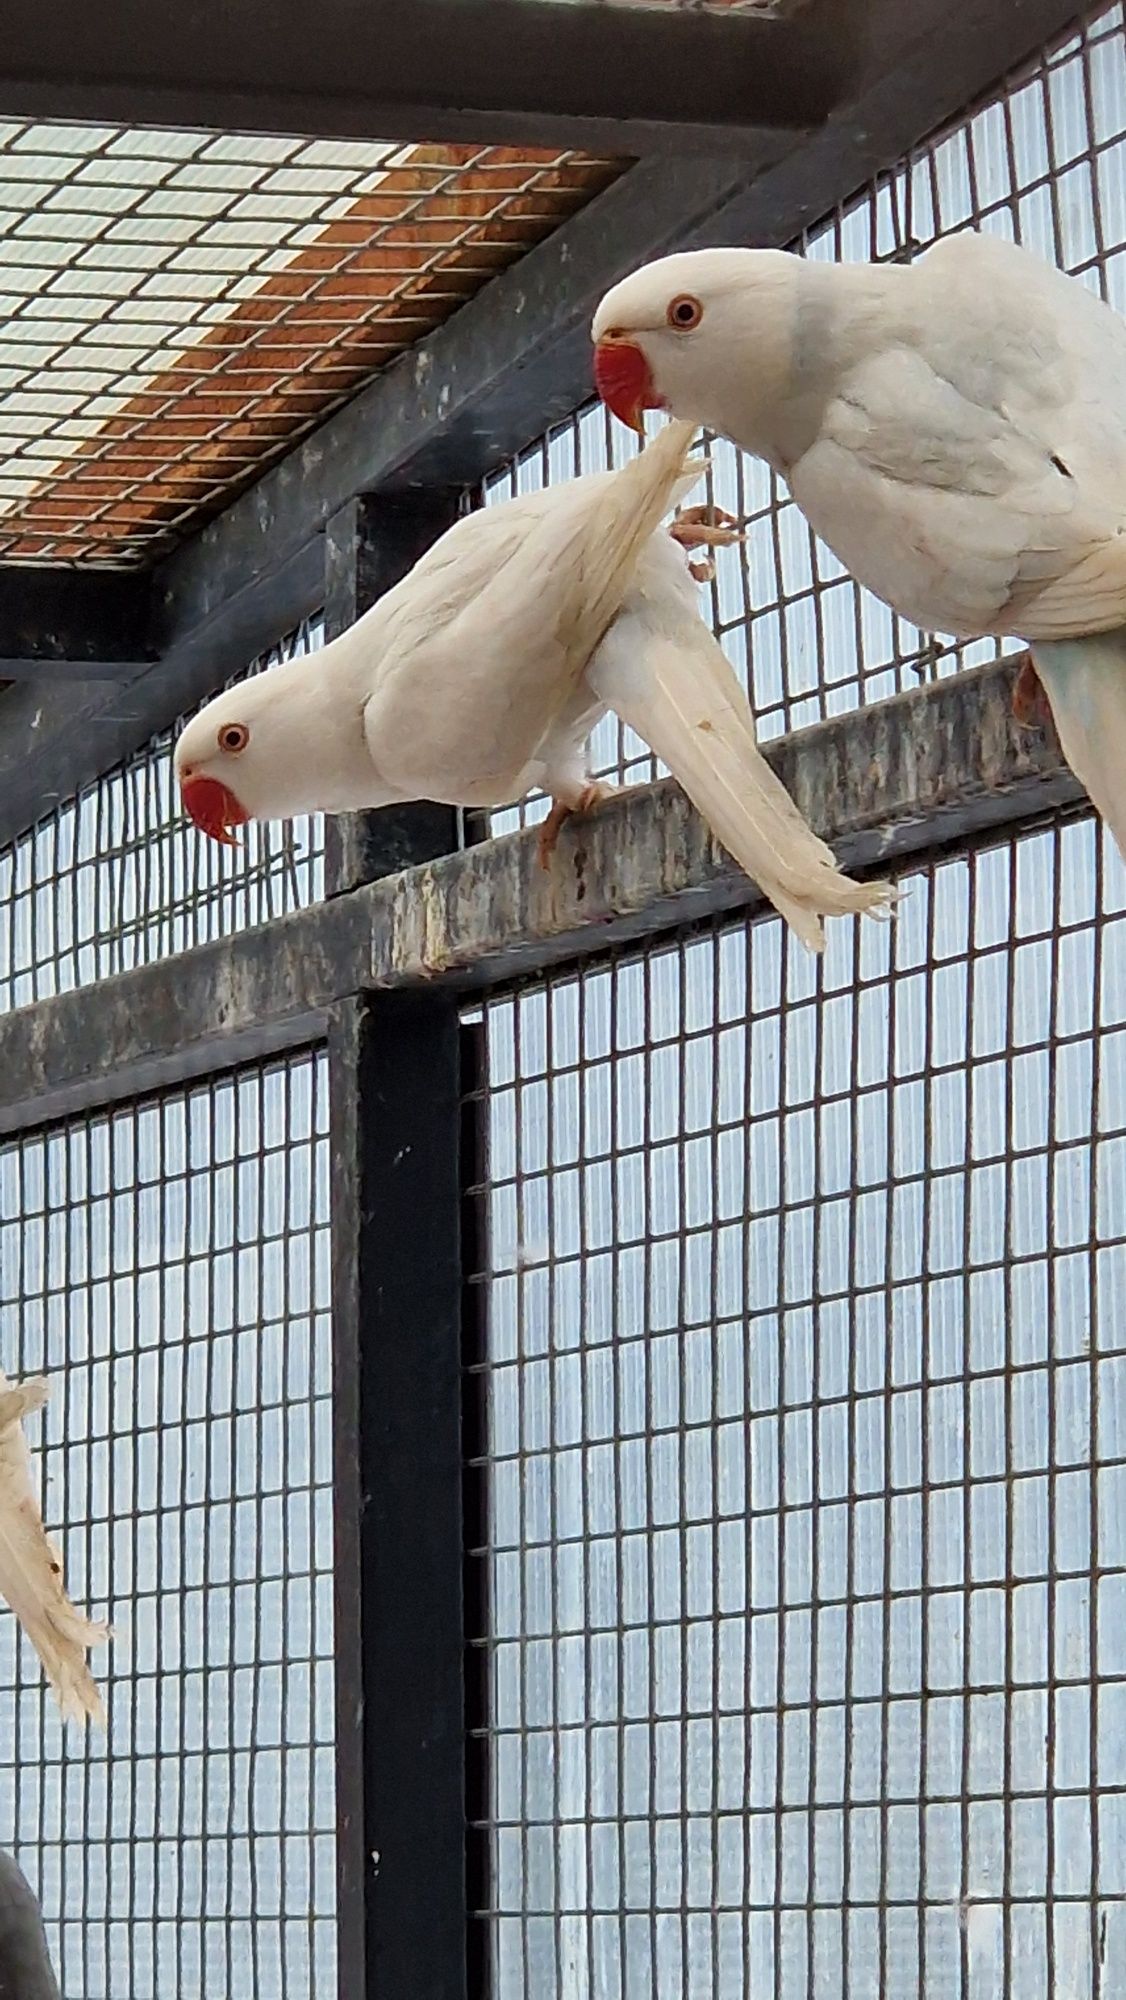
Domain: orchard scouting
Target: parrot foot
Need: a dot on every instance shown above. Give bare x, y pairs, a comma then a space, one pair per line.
551, 828
1030, 703
706, 527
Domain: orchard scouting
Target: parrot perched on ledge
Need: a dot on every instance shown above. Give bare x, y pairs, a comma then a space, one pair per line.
31, 1574
954, 429
482, 674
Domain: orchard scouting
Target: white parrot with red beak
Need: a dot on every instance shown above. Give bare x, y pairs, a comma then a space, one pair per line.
954, 429
482, 674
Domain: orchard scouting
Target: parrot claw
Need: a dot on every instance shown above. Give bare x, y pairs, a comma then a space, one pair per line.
560, 813
706, 527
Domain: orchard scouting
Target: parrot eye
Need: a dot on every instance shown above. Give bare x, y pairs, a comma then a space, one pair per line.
233, 737
684, 313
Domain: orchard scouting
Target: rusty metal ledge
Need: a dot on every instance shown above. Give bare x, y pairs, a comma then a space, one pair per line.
926, 771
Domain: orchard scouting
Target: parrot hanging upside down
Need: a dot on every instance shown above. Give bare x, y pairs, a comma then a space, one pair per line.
954, 429
482, 674
31, 1574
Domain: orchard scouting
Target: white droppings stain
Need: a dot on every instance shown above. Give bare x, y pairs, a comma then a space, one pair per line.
443, 399
528, 1253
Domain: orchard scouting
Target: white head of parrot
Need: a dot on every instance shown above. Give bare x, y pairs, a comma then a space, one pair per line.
692, 332
284, 742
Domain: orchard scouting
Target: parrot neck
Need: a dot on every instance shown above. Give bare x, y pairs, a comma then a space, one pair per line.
783, 345
313, 754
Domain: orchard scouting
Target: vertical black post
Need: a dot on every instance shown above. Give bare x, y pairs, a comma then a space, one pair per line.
369, 547
397, 1126
475, 1497
397, 1137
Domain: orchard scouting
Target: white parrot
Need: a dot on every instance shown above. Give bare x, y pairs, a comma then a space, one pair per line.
482, 674
954, 429
31, 1572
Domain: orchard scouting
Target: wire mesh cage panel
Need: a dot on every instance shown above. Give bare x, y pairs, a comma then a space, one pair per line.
1045, 163
118, 876
166, 1267
806, 1454
179, 306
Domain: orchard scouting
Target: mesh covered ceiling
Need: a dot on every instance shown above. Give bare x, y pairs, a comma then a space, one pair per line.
177, 307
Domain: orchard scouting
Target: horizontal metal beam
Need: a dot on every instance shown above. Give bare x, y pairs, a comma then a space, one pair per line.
66, 623
59, 673
936, 768
482, 72
57, 735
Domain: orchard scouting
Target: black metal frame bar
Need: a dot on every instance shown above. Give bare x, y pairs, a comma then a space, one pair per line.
503, 72
26, 1972
395, 1083
369, 547
396, 1091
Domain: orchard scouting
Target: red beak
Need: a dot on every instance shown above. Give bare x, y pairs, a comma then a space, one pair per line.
624, 381
213, 808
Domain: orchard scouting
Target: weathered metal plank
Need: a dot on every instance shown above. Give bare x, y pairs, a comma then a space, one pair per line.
236, 1000
480, 72
912, 776
925, 771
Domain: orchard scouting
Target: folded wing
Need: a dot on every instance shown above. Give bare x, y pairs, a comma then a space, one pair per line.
662, 672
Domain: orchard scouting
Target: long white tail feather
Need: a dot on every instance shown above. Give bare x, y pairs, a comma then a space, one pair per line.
616, 533
1085, 682
31, 1573
662, 672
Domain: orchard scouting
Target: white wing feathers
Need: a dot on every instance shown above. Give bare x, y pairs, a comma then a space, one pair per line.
609, 540
662, 672
31, 1575
480, 651
970, 464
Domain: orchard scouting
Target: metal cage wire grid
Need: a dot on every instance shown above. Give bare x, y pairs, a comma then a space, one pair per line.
805, 1405
180, 306
166, 1266
118, 877
806, 1454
